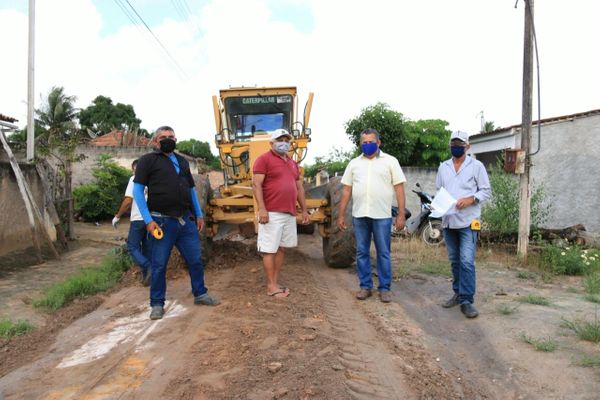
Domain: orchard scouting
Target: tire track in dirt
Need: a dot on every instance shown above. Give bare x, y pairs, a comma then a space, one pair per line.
383, 347
370, 373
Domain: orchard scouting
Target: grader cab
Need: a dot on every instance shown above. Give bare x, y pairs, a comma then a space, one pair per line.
245, 118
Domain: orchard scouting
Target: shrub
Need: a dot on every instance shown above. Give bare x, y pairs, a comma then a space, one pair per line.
102, 198
501, 213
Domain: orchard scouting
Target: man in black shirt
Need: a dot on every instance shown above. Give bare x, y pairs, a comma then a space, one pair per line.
172, 215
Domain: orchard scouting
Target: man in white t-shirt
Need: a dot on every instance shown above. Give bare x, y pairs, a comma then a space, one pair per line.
136, 240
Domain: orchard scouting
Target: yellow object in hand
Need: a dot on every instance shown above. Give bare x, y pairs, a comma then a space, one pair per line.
476, 225
157, 233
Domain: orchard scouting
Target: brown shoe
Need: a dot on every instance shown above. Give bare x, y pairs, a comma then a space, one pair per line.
385, 297
364, 293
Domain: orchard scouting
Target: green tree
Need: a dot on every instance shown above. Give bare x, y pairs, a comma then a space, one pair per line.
101, 199
431, 142
102, 117
59, 137
416, 143
198, 149
334, 162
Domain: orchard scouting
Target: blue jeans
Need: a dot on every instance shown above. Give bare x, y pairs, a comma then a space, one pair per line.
138, 245
379, 230
187, 240
461, 245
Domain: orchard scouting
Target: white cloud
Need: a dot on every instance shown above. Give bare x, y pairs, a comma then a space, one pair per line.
434, 59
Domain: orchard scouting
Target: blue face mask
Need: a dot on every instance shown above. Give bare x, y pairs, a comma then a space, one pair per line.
457, 151
369, 148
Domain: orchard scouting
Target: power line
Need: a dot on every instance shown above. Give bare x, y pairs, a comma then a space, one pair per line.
180, 10
178, 67
186, 13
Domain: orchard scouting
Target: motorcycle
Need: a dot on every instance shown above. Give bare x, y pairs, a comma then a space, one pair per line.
429, 228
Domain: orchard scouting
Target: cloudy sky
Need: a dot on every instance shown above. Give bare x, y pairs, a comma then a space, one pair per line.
433, 59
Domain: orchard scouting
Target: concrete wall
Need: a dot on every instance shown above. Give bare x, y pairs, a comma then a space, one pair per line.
425, 177
568, 165
15, 233
124, 156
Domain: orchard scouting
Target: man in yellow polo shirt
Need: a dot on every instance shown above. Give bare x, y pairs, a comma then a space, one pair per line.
372, 179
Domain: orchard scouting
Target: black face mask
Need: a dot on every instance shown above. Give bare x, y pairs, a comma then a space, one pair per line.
167, 145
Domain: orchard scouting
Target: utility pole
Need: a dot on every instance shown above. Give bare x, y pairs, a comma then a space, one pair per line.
524, 190
30, 80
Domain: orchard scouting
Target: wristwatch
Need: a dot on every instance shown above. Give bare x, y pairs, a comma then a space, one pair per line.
476, 199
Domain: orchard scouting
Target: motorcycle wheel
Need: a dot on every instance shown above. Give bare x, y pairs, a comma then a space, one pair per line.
433, 233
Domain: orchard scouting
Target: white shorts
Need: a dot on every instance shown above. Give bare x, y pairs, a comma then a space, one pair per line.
280, 231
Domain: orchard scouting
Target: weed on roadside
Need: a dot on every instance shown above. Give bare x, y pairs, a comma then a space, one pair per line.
592, 298
589, 361
435, 268
9, 329
547, 345
414, 255
534, 299
572, 289
591, 283
525, 275
86, 282
585, 330
507, 309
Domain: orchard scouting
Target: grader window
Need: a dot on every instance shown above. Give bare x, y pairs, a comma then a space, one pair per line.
258, 114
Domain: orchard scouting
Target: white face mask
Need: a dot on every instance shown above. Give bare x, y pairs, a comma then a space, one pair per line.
281, 147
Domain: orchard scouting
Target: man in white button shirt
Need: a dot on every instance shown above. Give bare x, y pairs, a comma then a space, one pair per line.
372, 179
136, 239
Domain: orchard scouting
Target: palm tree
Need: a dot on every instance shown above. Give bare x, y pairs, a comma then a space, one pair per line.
57, 120
489, 126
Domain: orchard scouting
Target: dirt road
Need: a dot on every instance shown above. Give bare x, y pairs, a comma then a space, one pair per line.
320, 343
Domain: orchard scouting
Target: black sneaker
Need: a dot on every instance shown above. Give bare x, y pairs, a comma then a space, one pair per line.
157, 312
451, 302
469, 310
206, 300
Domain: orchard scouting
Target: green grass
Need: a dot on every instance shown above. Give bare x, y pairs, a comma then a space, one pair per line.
534, 299
547, 345
585, 330
572, 289
88, 281
9, 329
589, 361
593, 298
507, 309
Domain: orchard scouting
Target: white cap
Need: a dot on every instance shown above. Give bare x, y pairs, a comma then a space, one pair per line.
277, 133
460, 135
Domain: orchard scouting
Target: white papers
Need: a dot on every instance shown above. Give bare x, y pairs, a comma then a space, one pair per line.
443, 204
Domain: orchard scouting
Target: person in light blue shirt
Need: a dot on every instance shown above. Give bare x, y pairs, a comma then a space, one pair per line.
466, 179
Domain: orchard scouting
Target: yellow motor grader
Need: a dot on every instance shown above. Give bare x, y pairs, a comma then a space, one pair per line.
245, 117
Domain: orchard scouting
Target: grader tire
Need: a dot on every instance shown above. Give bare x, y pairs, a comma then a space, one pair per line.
339, 249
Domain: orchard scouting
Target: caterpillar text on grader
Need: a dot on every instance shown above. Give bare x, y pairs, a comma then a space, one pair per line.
245, 118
